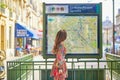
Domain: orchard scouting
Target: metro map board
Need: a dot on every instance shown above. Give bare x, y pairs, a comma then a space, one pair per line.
83, 24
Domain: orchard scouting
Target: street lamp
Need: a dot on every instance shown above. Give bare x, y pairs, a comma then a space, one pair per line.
113, 29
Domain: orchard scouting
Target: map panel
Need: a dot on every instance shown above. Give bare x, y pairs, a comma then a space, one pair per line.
81, 33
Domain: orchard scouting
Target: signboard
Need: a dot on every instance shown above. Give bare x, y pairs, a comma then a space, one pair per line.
72, 8
22, 31
83, 24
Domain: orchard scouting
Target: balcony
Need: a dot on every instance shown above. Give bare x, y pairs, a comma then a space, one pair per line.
2, 7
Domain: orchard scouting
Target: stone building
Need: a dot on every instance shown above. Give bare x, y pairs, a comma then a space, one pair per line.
118, 26
26, 14
107, 31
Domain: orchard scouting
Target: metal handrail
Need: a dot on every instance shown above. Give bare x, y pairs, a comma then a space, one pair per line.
100, 69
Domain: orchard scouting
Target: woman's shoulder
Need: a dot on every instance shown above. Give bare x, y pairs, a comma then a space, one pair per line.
61, 46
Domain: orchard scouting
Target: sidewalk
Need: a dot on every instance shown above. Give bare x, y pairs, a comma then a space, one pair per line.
38, 58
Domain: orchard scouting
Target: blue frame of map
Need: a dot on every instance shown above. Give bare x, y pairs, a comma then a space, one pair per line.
50, 18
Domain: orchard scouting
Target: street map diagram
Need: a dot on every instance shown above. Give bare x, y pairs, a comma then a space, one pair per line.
81, 33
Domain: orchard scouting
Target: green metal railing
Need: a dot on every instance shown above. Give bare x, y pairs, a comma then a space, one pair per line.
115, 65
17, 65
78, 69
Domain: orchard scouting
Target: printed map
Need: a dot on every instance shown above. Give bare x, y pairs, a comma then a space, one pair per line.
81, 32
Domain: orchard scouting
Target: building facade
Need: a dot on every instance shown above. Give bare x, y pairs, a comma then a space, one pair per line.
118, 24
18, 11
107, 31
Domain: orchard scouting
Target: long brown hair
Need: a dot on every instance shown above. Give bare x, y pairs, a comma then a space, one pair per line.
61, 36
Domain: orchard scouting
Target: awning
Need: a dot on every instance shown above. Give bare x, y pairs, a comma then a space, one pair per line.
21, 31
40, 33
35, 36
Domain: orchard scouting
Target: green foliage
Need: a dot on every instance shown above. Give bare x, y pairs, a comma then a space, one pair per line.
3, 5
10, 9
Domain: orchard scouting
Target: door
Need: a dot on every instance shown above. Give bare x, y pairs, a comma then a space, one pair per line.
2, 38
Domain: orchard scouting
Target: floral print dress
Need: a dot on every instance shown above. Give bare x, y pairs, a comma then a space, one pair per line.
59, 69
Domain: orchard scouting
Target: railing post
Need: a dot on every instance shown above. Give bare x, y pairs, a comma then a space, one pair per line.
79, 69
26, 73
72, 70
16, 70
111, 70
105, 72
33, 71
20, 70
39, 72
92, 72
8, 70
85, 70
98, 68
46, 69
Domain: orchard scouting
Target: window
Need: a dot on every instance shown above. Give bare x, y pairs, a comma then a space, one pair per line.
10, 37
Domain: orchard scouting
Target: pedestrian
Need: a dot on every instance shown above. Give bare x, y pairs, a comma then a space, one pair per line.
2, 68
59, 68
28, 48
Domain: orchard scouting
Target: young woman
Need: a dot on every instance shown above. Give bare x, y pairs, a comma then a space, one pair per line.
59, 69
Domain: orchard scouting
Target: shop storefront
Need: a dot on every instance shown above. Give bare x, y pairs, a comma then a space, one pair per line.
23, 39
